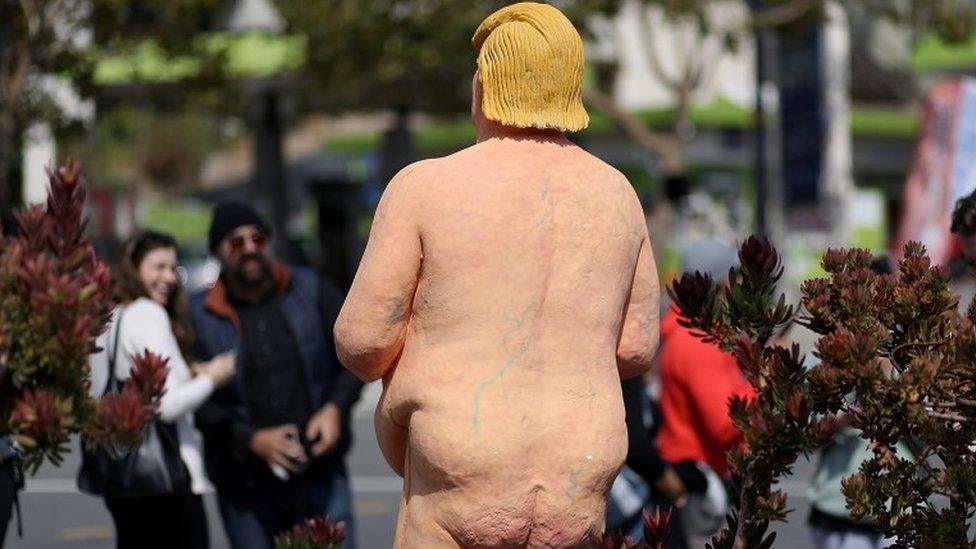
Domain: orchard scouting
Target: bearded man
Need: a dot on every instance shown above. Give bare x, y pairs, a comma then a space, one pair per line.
504, 292
274, 438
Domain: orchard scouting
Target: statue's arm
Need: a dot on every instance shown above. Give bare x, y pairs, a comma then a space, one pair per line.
639, 329
372, 325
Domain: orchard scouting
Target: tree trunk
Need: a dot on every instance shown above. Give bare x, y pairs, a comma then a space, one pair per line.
667, 147
747, 498
8, 147
15, 63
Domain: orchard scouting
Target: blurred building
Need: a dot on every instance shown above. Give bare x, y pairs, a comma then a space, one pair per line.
653, 56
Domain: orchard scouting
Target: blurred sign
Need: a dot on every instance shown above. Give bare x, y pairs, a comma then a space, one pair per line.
943, 168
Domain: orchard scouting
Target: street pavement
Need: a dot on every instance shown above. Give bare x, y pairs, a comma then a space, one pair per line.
56, 516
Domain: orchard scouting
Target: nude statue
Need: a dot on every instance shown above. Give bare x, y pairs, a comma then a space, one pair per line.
504, 292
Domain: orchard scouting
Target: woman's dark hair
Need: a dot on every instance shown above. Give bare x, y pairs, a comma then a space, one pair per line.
964, 216
128, 286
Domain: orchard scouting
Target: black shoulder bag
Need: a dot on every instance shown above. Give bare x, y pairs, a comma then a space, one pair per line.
154, 468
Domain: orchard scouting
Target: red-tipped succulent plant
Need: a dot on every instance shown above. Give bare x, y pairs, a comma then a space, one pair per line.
613, 540
315, 533
120, 417
55, 297
743, 317
897, 361
656, 528
149, 376
39, 418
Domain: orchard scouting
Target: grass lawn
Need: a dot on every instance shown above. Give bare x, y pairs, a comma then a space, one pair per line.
932, 54
187, 221
445, 135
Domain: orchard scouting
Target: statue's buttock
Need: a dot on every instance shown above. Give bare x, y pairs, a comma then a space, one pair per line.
513, 464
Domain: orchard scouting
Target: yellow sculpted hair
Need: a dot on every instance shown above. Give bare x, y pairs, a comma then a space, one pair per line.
530, 63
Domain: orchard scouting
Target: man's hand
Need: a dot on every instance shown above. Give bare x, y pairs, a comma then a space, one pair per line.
324, 429
279, 445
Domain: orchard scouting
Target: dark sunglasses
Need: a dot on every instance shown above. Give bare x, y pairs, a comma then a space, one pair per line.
237, 243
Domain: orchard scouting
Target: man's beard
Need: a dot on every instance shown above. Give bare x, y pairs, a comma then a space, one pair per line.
244, 279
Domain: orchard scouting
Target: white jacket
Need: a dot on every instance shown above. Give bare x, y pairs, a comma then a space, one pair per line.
146, 325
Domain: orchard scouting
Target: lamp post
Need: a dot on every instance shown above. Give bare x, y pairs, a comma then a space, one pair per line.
760, 130
768, 134
268, 181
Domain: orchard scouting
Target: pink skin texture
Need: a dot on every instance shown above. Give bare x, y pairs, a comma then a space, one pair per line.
505, 291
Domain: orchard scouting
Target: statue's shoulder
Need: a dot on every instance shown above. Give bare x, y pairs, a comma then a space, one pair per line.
425, 176
474, 153
415, 171
412, 183
613, 182
605, 172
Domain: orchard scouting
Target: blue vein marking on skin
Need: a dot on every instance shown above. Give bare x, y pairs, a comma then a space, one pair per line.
514, 348
396, 313
548, 205
574, 474
584, 371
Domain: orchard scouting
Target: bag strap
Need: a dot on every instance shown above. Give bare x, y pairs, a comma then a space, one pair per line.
115, 351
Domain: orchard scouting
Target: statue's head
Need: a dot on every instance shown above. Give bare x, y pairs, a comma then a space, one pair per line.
530, 68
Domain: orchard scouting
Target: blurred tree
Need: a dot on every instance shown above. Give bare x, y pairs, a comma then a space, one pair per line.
44, 41
411, 54
405, 56
360, 55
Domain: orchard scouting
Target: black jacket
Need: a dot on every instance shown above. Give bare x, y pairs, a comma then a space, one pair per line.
310, 305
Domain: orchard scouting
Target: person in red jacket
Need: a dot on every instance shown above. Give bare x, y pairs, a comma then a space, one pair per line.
697, 380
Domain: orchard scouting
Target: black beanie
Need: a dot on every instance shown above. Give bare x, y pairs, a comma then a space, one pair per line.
228, 215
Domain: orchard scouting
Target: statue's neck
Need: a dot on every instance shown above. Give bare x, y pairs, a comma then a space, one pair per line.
492, 130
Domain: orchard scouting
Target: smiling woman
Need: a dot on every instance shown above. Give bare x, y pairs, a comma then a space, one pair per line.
152, 314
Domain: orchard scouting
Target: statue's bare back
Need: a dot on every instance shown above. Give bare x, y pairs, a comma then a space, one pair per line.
505, 271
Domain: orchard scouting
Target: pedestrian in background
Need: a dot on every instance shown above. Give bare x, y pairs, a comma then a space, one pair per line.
11, 475
152, 315
645, 480
276, 438
831, 524
697, 381
961, 267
